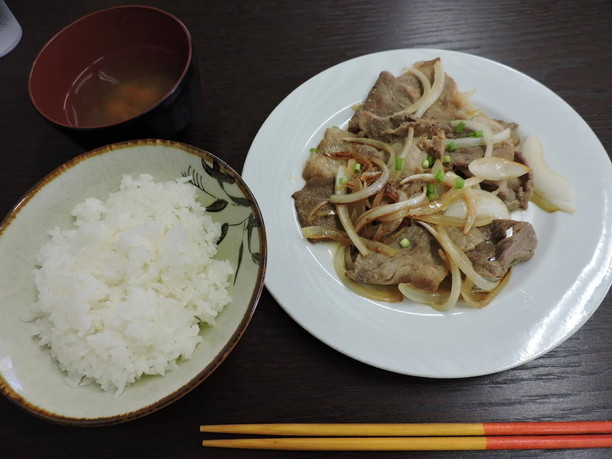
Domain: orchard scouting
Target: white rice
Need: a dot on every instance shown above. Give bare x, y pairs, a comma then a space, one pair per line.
123, 293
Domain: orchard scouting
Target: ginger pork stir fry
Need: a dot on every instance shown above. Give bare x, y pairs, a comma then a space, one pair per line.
418, 192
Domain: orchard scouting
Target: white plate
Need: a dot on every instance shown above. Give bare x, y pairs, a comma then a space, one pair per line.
547, 299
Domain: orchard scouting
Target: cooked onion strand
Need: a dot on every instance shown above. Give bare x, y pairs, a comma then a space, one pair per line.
435, 92
366, 192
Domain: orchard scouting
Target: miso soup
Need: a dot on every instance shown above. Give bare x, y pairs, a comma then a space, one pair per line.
121, 86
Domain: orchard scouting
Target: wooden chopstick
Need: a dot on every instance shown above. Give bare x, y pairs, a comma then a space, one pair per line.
416, 443
417, 437
417, 429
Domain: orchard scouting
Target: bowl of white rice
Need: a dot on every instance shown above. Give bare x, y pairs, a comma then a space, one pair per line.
129, 275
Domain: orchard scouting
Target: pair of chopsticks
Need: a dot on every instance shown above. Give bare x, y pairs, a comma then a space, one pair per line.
416, 437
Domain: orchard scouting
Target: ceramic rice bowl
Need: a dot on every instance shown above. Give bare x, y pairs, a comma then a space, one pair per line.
29, 376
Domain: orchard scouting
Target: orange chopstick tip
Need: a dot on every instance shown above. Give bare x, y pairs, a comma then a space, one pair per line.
550, 442
547, 428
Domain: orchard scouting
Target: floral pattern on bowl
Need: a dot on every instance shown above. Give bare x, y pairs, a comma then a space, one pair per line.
221, 200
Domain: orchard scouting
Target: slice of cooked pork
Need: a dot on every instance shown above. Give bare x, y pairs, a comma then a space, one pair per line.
506, 243
493, 249
419, 264
382, 111
312, 204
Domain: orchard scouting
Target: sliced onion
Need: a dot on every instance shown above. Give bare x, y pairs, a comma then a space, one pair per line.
449, 178
495, 168
456, 222
436, 90
551, 190
399, 215
380, 247
376, 212
322, 232
487, 134
494, 125
451, 299
373, 143
351, 154
344, 216
455, 292
472, 209
433, 299
403, 153
386, 293
463, 142
426, 90
479, 300
377, 200
488, 205
459, 257
358, 207
408, 143
438, 205
448, 198
425, 176
422, 78
366, 192
345, 219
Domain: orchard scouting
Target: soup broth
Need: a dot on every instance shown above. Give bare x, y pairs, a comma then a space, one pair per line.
121, 86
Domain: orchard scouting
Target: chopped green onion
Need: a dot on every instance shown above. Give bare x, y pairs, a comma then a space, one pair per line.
439, 175
405, 242
459, 127
342, 180
431, 191
475, 134
451, 146
313, 150
425, 164
446, 159
357, 167
399, 164
459, 182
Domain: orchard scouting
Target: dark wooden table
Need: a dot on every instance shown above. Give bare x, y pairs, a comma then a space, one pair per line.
251, 55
